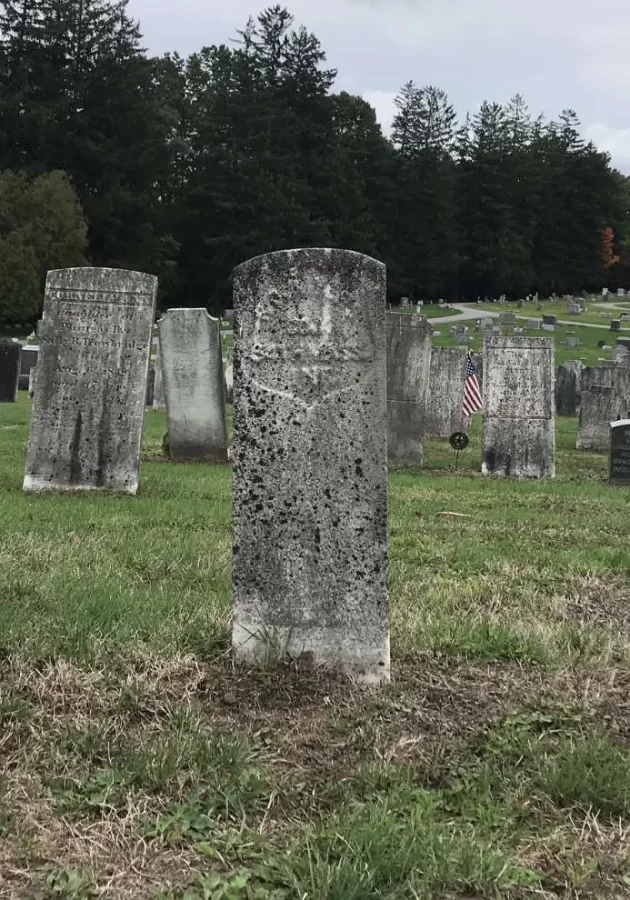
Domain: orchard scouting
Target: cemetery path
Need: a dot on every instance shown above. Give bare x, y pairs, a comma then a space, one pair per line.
467, 312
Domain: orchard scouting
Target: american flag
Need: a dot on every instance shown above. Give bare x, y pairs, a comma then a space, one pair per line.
472, 391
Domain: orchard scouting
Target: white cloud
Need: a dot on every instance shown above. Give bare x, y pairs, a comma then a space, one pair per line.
383, 103
615, 141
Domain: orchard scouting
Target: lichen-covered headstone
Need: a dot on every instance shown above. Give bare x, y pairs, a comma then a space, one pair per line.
310, 461
568, 387
620, 452
599, 406
88, 408
159, 399
519, 407
10, 356
192, 369
408, 366
447, 377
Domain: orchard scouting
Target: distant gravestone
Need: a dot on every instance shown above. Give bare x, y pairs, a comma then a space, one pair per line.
31, 381
550, 320
30, 354
310, 461
568, 387
447, 377
615, 325
192, 368
88, 408
10, 354
620, 452
159, 398
623, 342
408, 368
533, 324
621, 292
150, 386
507, 319
519, 410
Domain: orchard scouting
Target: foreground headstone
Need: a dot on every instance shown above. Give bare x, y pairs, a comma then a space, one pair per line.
599, 406
192, 368
519, 414
408, 367
88, 408
447, 379
620, 452
310, 461
10, 356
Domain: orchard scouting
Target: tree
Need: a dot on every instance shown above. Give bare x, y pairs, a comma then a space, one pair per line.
41, 228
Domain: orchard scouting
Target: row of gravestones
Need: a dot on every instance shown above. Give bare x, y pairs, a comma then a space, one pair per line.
599, 395
310, 440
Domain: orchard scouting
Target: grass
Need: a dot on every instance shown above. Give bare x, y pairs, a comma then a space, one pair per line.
430, 310
136, 762
560, 308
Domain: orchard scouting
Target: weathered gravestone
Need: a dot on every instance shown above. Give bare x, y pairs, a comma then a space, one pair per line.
447, 379
605, 397
519, 414
408, 366
31, 381
30, 354
159, 398
620, 452
568, 387
192, 368
10, 354
615, 325
229, 378
88, 408
550, 320
310, 461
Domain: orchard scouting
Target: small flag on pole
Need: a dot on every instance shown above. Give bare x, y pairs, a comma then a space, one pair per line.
472, 391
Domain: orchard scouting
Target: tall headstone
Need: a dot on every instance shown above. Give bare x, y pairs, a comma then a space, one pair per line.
88, 408
568, 387
192, 368
519, 407
447, 378
10, 355
310, 461
30, 353
620, 452
408, 368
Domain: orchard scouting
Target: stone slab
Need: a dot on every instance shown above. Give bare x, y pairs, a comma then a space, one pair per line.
445, 395
192, 369
10, 356
599, 406
88, 408
519, 407
408, 368
310, 461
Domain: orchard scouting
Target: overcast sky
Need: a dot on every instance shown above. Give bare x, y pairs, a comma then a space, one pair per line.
557, 53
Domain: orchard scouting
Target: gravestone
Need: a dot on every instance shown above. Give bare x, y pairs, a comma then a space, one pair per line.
10, 355
519, 414
30, 353
88, 408
533, 324
408, 367
31, 381
310, 461
150, 386
447, 378
572, 344
192, 369
568, 387
623, 342
159, 398
229, 378
621, 355
619, 463
615, 325
621, 292
599, 406
507, 319
550, 320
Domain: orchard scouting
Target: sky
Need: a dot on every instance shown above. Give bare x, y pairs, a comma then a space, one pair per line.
557, 53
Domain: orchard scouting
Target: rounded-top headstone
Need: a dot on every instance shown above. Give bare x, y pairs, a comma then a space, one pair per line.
310, 461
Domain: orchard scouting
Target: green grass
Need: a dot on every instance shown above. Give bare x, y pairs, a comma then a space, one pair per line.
560, 309
135, 761
430, 310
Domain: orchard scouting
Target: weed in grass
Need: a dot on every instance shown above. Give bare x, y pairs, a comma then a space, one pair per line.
67, 884
589, 772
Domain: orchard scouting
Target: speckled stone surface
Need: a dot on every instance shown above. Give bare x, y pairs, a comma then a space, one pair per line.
408, 364
519, 407
88, 408
10, 357
568, 387
599, 406
445, 395
310, 461
192, 368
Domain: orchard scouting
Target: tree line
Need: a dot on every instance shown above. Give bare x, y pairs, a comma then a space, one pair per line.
185, 167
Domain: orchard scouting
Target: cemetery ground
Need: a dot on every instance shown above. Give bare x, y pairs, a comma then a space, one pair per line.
137, 762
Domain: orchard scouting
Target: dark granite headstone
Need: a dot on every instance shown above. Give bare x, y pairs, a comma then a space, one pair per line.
615, 325
550, 320
620, 452
30, 355
10, 352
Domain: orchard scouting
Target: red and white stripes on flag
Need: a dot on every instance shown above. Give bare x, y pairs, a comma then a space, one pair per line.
472, 391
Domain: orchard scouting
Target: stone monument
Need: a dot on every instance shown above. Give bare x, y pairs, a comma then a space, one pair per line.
192, 368
408, 366
568, 387
620, 452
10, 356
447, 379
310, 461
88, 408
519, 409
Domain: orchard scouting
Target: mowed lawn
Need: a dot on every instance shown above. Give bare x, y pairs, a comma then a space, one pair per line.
137, 762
